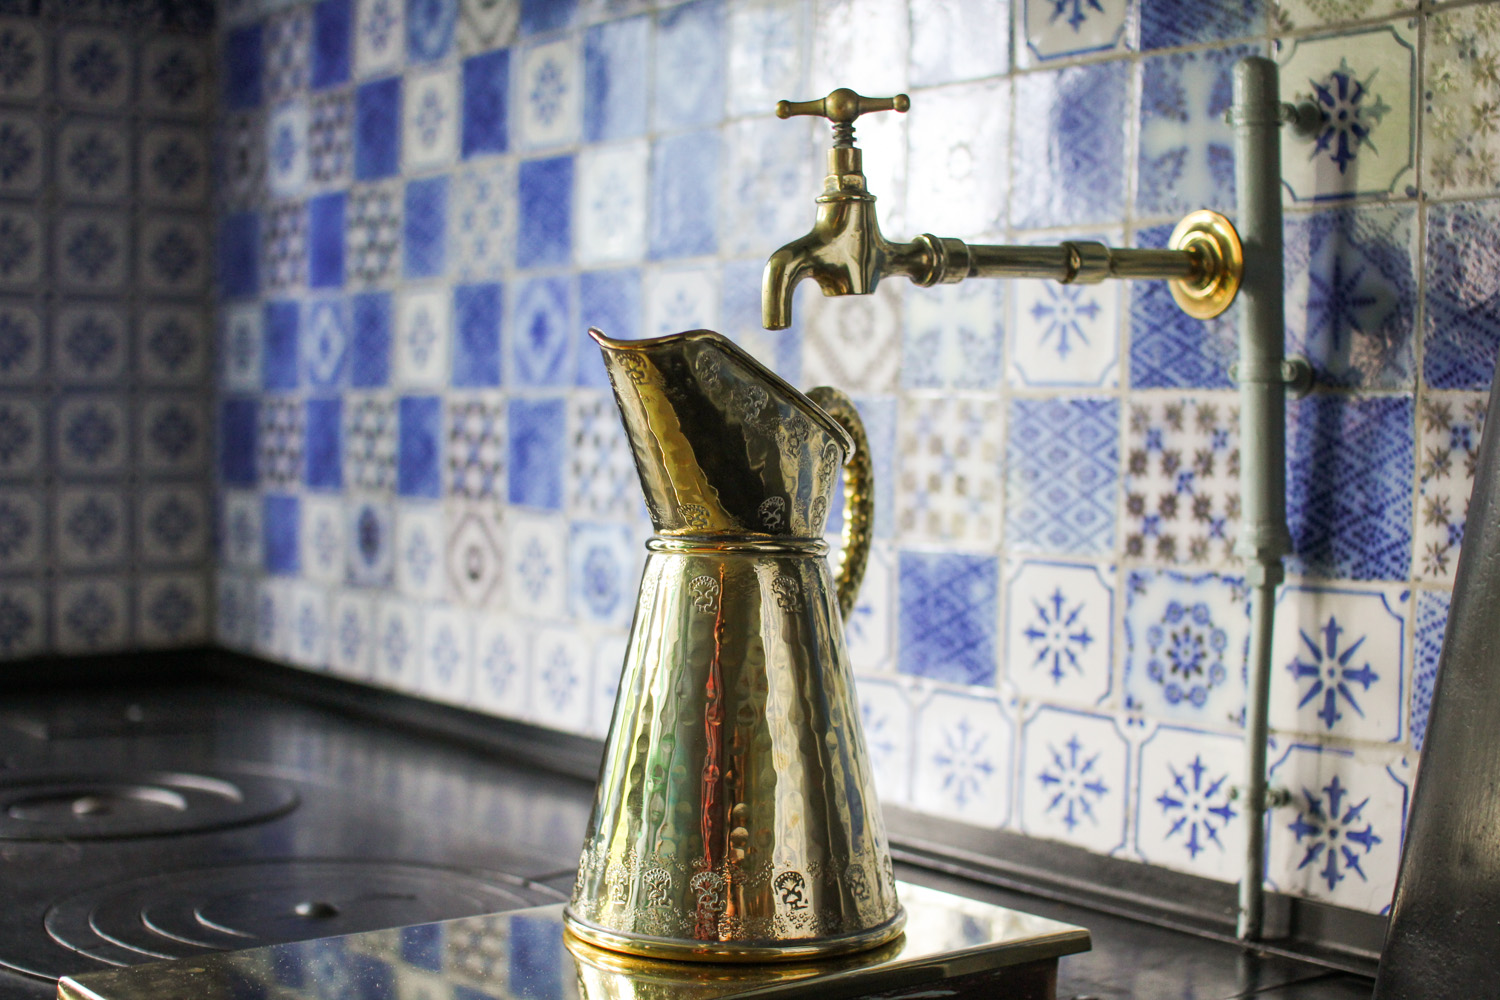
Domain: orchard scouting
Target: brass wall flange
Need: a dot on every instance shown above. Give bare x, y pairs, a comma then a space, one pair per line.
1211, 239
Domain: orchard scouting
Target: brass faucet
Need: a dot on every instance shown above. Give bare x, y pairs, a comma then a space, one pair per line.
846, 254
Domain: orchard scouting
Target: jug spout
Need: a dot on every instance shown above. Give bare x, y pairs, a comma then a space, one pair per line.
722, 444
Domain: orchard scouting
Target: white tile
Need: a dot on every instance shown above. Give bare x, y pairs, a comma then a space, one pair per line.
609, 661
273, 613
476, 562
351, 645
379, 36
536, 547
765, 54
423, 334
1074, 777
1059, 631
963, 759
1065, 335
286, 148
561, 679
431, 120
886, 717
870, 628
1187, 814
679, 299
611, 209
419, 551
322, 539
502, 678
309, 625
240, 346
548, 94
234, 601
448, 655
956, 181
948, 487
398, 644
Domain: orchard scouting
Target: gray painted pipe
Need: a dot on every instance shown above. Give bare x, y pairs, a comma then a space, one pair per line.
1263, 536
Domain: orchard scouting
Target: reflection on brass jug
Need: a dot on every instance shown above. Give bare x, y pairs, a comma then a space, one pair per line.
736, 817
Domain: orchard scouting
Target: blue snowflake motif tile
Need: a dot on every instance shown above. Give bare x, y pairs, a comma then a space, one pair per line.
332, 31
609, 301
371, 539
22, 530
91, 529
541, 16
886, 716
1188, 815
1168, 348
688, 83
1462, 330
23, 620
486, 99
684, 195
1074, 775
614, 79
90, 343
425, 241
1055, 29
603, 573
536, 547
949, 609
240, 68
447, 656
549, 96
1364, 83
501, 679
1185, 157
1351, 295
537, 431
1062, 461
419, 551
544, 236
21, 248
1338, 662
377, 129
543, 334
239, 422
91, 615
23, 153
21, 357
1064, 335
1185, 644
370, 340
429, 29
1339, 840
1067, 165
419, 451
1059, 631
281, 522
1432, 622
1349, 486
476, 330
238, 256
561, 679
952, 337
963, 757
1165, 24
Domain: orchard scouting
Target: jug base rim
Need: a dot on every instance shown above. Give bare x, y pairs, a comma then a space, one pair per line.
689, 950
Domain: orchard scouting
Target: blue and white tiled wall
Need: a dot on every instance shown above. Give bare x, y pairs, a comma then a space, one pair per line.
423, 483
105, 325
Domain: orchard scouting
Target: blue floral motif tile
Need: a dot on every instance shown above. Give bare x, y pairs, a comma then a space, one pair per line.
1068, 153
172, 344
21, 436
1338, 660
430, 133
281, 522
540, 16
351, 647
561, 677
682, 299
949, 609
92, 251
287, 53
370, 441
1186, 155
239, 422
1364, 83
447, 656
501, 655
377, 129
238, 256
429, 29
1432, 622
1339, 840
611, 216
1064, 335
549, 99
537, 549
1074, 779
93, 157
21, 263
419, 548
90, 343
91, 615
964, 751
476, 331
379, 36
174, 166
423, 337
426, 238
173, 526
172, 435
545, 204
371, 538
1188, 813
1349, 486
484, 220
240, 68
307, 626
486, 99
543, 334
603, 573
1351, 295
609, 301
171, 610
1062, 457
332, 26
172, 255
1059, 630
684, 195
688, 83
93, 435
370, 340
32, 60
1168, 348
323, 541
614, 79
419, 453
398, 645
1165, 24
537, 428
1462, 328
174, 76
1055, 29
886, 716
91, 531
602, 480
1185, 645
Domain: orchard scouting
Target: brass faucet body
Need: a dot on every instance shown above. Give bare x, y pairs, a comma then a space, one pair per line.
846, 254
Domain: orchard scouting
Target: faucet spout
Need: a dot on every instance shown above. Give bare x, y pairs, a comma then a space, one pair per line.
784, 270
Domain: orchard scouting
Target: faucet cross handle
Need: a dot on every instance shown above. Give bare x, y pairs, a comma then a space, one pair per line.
841, 107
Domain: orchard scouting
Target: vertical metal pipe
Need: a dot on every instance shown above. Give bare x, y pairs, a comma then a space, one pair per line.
1263, 536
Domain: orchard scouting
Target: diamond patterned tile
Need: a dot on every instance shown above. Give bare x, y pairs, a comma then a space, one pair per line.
1062, 461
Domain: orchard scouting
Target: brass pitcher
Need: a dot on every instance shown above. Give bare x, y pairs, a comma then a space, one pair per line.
736, 817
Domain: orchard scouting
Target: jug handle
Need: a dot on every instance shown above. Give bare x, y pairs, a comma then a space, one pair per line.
859, 495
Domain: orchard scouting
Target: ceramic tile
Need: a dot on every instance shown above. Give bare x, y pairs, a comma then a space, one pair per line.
681, 299
377, 129
239, 446
501, 660
1338, 662
771, 177
477, 313
1462, 331
21, 436
287, 50
93, 160
483, 221
430, 131
609, 656
1168, 348
602, 480
1188, 814
271, 619
173, 166
1059, 630
604, 568
287, 148
351, 645
174, 255
30, 64
93, 435
370, 534
684, 195
173, 435
325, 348
175, 76
962, 759
423, 331
1185, 640
425, 239
549, 99
1461, 98
561, 678
370, 443
545, 203
1432, 621
860, 44
948, 488
612, 203
281, 522
331, 48
614, 68
370, 317
172, 610
91, 528
1351, 295
1067, 159
23, 617
1340, 838
766, 40
322, 539
475, 562
430, 28
280, 354
888, 722
1185, 156
307, 626
688, 66
398, 644
609, 301
448, 655
95, 67
1056, 29
90, 343
540, 16
1289, 15
171, 344
1074, 775
946, 47
1182, 492
241, 167
91, 614
536, 428
23, 153
239, 252
92, 251
1448, 430
957, 177
486, 24
279, 441
323, 423
234, 605
419, 547
173, 525
536, 581
284, 247
21, 260
379, 36
23, 532
1353, 519
419, 448
1168, 23
740, 321
1367, 144
1062, 458
22, 343
543, 334
949, 610
1065, 335
852, 341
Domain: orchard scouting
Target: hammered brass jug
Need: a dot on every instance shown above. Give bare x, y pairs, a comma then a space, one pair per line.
736, 817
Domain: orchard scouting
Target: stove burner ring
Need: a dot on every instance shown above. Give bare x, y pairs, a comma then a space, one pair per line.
71, 806
198, 911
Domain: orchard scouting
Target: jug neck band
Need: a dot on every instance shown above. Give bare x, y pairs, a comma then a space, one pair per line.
718, 544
